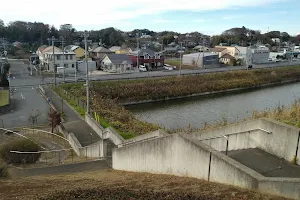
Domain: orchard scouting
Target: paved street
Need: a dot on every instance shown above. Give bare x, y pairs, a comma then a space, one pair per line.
134, 75
25, 97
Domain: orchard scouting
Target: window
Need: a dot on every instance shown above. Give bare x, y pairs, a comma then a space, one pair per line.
66, 56
58, 57
66, 65
71, 57
73, 65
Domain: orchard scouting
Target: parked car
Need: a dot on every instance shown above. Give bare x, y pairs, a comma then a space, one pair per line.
168, 67
142, 68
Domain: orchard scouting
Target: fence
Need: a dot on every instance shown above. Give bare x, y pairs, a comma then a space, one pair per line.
58, 150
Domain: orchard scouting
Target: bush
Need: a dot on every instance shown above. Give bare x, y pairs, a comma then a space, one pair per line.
22, 145
3, 170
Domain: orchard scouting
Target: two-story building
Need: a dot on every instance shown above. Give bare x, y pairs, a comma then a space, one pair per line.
79, 52
62, 60
42, 50
116, 63
147, 57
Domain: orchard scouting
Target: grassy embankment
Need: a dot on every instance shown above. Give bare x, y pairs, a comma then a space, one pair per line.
107, 96
4, 97
177, 64
108, 184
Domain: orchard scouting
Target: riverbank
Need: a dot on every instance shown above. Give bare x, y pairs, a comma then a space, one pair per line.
108, 97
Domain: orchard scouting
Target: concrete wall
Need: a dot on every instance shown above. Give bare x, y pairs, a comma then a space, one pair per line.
94, 125
167, 155
226, 170
287, 187
282, 142
151, 135
185, 156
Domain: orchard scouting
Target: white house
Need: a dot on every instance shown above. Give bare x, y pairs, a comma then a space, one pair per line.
42, 50
116, 63
66, 60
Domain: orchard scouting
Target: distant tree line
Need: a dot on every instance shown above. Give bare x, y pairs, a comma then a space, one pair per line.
35, 34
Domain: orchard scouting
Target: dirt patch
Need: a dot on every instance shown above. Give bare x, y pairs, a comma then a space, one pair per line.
93, 183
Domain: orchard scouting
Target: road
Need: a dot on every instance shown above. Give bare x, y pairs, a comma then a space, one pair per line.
161, 73
26, 99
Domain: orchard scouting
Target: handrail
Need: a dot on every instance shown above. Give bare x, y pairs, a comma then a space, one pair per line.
226, 136
132, 142
46, 132
22, 136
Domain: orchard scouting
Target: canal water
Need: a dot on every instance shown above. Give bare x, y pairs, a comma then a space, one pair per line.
197, 111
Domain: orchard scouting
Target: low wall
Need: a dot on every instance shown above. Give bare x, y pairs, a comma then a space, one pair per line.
185, 156
94, 125
163, 156
287, 187
269, 135
282, 142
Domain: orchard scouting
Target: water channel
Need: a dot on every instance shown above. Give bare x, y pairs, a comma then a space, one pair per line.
196, 111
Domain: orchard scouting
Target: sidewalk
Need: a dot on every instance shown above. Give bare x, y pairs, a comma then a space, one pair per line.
73, 122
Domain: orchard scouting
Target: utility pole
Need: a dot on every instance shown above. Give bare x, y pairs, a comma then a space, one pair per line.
180, 58
53, 58
63, 57
86, 35
137, 47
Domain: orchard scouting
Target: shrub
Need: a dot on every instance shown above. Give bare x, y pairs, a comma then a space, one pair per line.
3, 170
22, 145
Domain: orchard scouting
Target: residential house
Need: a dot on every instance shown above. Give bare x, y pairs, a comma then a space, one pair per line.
148, 58
99, 52
120, 50
115, 48
234, 52
79, 52
62, 60
201, 48
146, 36
39, 51
116, 63
43, 50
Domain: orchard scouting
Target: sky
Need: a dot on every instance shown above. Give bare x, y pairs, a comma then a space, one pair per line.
210, 17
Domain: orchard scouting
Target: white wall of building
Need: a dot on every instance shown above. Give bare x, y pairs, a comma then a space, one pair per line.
260, 55
66, 60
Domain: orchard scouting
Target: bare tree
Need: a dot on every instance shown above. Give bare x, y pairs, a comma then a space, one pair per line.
54, 118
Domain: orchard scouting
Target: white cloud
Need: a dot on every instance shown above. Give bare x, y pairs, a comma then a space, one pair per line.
102, 13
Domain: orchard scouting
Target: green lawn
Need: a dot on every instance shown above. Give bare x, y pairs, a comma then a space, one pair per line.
177, 64
4, 97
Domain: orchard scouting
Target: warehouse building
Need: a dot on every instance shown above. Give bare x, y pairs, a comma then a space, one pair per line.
201, 60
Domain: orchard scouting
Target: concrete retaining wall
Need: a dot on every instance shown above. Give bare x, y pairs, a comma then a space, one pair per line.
280, 139
282, 142
163, 156
185, 156
94, 125
287, 187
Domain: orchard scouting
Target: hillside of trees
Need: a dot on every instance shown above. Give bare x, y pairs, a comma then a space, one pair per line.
34, 34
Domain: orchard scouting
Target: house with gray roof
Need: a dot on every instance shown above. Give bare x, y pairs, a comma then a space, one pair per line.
99, 52
116, 63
